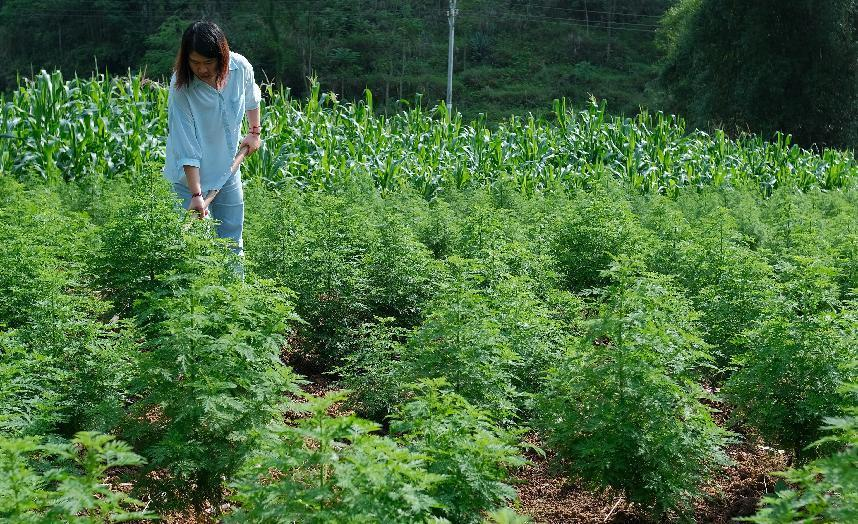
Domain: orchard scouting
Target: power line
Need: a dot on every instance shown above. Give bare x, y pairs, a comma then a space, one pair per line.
600, 23
628, 26
590, 11
577, 22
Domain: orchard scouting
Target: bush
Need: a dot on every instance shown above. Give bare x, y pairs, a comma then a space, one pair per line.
663, 217
598, 227
209, 373
63, 377
513, 338
463, 446
402, 276
64, 482
531, 329
142, 240
826, 489
332, 469
462, 339
800, 250
622, 408
316, 245
789, 378
742, 294
372, 368
63, 368
43, 253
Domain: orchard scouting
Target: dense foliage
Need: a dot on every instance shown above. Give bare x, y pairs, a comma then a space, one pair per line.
759, 66
321, 143
623, 408
438, 270
64, 481
827, 488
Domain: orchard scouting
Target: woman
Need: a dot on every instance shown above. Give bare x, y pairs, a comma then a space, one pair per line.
211, 91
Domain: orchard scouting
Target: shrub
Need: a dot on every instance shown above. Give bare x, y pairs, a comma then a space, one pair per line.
845, 231
708, 247
332, 469
506, 516
788, 379
511, 336
801, 252
437, 228
64, 482
402, 276
63, 377
809, 284
209, 373
43, 253
826, 489
372, 368
142, 240
462, 339
63, 368
317, 245
463, 446
586, 237
663, 217
530, 328
622, 409
743, 293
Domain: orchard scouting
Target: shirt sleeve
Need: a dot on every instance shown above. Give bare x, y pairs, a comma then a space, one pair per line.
252, 93
180, 123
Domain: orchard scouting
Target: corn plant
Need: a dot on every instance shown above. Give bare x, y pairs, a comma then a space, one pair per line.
58, 129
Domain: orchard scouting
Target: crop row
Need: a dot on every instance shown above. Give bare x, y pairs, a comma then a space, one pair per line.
57, 129
602, 321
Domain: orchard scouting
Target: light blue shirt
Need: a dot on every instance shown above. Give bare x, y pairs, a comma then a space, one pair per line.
204, 124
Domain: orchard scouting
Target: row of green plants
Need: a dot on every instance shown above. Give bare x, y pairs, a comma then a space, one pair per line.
129, 321
604, 321
435, 273
54, 129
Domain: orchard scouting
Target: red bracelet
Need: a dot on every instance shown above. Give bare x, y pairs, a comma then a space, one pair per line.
196, 195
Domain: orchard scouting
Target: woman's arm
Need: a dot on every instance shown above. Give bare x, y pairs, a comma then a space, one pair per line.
182, 133
197, 203
252, 140
252, 97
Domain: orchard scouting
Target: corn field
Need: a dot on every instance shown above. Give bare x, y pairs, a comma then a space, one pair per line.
55, 129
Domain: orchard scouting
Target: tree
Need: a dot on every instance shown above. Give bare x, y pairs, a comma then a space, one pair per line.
766, 66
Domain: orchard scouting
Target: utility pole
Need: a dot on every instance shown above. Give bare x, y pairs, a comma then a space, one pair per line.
451, 18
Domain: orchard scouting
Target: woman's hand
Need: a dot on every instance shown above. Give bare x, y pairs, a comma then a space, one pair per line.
252, 141
198, 204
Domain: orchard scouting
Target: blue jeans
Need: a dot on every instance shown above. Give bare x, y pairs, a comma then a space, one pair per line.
227, 208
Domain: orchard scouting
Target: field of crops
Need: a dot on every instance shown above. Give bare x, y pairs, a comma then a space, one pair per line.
427, 306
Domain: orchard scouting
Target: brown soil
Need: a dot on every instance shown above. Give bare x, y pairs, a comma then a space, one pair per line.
549, 497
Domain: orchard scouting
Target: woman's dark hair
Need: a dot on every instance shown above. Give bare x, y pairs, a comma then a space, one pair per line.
207, 39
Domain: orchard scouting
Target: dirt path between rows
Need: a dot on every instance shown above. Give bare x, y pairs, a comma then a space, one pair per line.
548, 496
